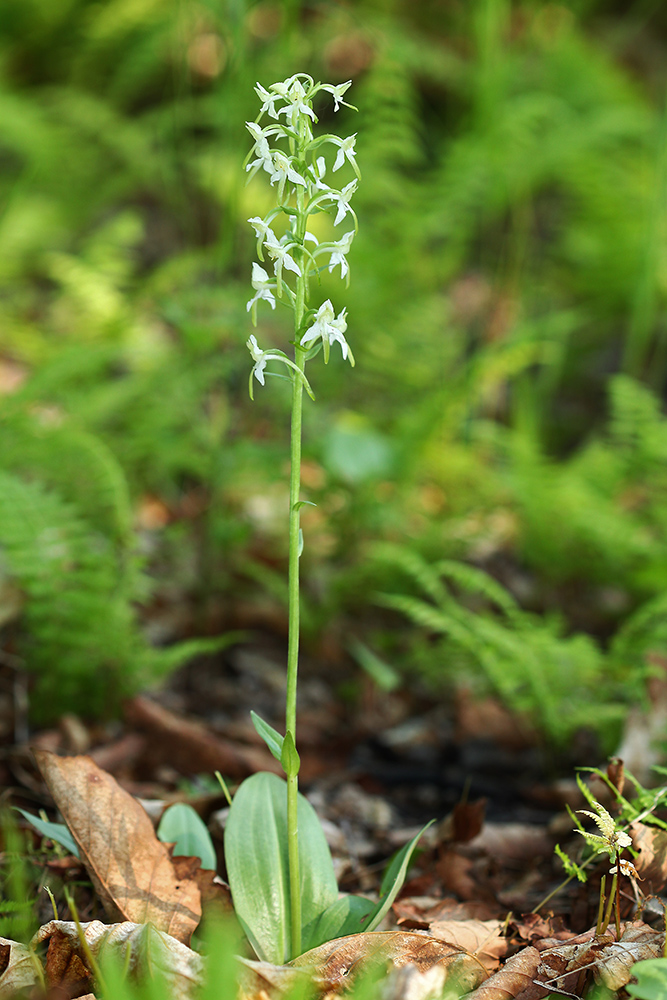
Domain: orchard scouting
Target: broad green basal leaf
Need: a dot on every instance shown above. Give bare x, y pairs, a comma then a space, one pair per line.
180, 825
347, 915
257, 866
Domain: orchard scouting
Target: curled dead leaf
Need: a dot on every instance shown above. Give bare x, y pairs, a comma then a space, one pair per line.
609, 961
131, 869
261, 980
138, 947
336, 962
65, 971
18, 969
482, 938
651, 863
516, 975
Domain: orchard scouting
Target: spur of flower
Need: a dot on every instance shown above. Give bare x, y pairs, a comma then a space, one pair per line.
610, 840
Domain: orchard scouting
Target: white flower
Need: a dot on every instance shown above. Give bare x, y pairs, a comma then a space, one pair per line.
282, 89
296, 96
262, 229
338, 92
269, 100
281, 258
338, 252
263, 290
345, 151
342, 199
261, 148
260, 359
284, 171
329, 327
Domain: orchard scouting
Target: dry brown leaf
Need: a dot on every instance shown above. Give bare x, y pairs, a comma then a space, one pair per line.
532, 928
129, 867
609, 961
651, 863
138, 946
335, 962
412, 911
547, 944
638, 943
482, 938
409, 983
65, 970
515, 977
456, 872
463, 823
18, 969
261, 980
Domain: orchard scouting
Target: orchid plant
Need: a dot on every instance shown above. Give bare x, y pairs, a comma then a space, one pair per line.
278, 862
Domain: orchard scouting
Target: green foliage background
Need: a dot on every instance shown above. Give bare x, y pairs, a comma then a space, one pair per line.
507, 314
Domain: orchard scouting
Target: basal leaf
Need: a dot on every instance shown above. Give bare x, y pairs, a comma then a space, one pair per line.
180, 825
344, 916
393, 880
257, 866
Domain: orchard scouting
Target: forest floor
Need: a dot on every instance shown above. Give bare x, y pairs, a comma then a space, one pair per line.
486, 882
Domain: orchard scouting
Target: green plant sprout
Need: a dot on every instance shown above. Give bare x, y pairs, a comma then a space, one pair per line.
278, 862
613, 842
613, 838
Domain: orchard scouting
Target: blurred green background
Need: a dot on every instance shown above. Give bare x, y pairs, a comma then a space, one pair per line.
491, 479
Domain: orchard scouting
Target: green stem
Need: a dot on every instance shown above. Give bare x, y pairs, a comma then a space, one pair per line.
610, 902
293, 635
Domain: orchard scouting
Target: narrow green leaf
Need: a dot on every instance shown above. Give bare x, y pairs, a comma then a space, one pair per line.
289, 758
303, 503
271, 736
393, 880
180, 825
257, 865
54, 831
